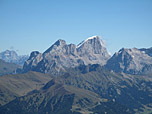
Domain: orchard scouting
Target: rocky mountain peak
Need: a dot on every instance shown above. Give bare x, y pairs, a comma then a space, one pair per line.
34, 54
61, 55
92, 41
93, 45
60, 42
31, 63
9, 55
93, 50
132, 61
12, 57
129, 51
57, 45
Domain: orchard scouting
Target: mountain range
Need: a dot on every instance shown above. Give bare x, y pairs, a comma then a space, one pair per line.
90, 51
81, 90
61, 55
80, 79
12, 57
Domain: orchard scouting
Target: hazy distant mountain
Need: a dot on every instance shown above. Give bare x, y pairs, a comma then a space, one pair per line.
13, 57
132, 61
61, 55
7, 68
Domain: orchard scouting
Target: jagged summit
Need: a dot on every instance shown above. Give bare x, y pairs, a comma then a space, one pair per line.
61, 55
90, 51
90, 39
59, 43
132, 61
93, 50
128, 50
12, 57
34, 54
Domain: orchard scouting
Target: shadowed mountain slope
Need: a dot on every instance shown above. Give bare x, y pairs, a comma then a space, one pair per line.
55, 98
7, 68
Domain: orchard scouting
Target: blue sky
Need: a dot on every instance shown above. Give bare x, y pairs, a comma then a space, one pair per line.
28, 25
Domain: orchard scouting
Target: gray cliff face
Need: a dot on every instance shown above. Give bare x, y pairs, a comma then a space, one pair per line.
61, 55
32, 62
93, 51
13, 57
132, 61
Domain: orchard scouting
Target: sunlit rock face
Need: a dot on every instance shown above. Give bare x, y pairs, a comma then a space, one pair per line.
132, 61
61, 55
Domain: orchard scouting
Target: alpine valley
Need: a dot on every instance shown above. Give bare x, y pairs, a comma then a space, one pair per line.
78, 79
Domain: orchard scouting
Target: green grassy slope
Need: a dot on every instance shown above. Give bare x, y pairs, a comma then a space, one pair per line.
12, 86
55, 98
7, 68
82, 90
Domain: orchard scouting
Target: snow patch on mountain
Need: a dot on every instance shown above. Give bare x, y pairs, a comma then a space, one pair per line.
91, 38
